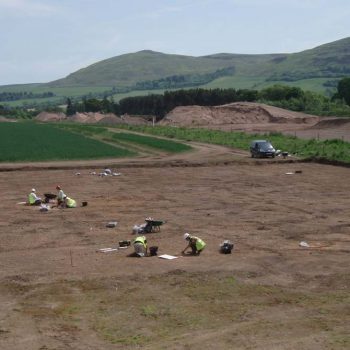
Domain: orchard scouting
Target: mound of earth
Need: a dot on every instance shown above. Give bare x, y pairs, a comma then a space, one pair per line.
94, 118
88, 118
235, 113
50, 117
136, 119
333, 123
110, 119
4, 119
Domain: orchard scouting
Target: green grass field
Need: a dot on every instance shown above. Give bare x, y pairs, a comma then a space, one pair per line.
126, 139
38, 142
156, 143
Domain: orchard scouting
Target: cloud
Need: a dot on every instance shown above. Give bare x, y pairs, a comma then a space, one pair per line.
26, 7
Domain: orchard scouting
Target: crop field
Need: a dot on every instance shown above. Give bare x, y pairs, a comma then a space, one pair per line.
38, 142
128, 138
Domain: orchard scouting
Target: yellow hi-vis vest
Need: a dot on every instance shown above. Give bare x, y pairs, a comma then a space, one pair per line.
200, 244
142, 240
71, 203
31, 198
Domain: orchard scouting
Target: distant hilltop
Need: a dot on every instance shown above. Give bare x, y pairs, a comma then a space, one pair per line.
148, 69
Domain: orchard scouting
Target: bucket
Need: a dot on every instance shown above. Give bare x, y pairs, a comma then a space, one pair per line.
226, 247
84, 204
153, 250
124, 243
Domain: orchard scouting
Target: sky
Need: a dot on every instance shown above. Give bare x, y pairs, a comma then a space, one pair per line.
44, 40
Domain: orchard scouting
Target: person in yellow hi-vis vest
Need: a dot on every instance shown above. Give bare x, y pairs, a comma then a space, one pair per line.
33, 199
69, 202
140, 246
195, 243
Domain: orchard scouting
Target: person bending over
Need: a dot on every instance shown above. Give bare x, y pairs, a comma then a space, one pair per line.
195, 243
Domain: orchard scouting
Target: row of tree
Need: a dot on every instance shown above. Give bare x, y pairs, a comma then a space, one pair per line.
184, 80
287, 97
159, 105
15, 96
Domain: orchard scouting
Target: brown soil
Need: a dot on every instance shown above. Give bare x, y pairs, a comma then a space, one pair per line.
58, 292
4, 119
259, 118
240, 116
93, 118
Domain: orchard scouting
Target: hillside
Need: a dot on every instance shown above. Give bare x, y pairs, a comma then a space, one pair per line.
142, 66
326, 61
145, 72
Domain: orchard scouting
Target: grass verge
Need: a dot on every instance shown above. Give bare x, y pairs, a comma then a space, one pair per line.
329, 150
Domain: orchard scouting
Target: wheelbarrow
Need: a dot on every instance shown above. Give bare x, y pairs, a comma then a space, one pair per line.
49, 196
153, 225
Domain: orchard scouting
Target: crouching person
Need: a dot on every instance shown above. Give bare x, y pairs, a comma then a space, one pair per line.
140, 246
33, 199
195, 243
69, 202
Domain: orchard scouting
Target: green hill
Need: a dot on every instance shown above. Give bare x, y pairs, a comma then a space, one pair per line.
327, 61
317, 69
130, 69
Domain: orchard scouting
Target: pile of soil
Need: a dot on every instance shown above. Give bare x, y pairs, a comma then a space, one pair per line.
235, 113
4, 119
94, 118
50, 117
333, 123
110, 119
136, 119
88, 118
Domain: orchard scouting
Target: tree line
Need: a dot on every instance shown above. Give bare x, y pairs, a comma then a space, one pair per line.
14, 96
161, 104
184, 80
292, 98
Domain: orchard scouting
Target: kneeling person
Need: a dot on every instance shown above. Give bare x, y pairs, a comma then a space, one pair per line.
33, 199
69, 202
195, 243
140, 246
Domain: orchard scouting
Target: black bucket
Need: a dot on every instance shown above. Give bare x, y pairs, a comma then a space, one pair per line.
226, 247
124, 243
153, 250
84, 204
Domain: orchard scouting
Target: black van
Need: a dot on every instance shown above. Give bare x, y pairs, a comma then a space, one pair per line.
261, 149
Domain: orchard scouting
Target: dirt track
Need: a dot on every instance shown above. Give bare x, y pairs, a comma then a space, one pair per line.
57, 292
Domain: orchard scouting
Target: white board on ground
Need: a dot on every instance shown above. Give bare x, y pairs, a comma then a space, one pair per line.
107, 250
168, 257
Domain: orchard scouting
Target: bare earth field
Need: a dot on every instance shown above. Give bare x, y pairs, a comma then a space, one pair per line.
58, 292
